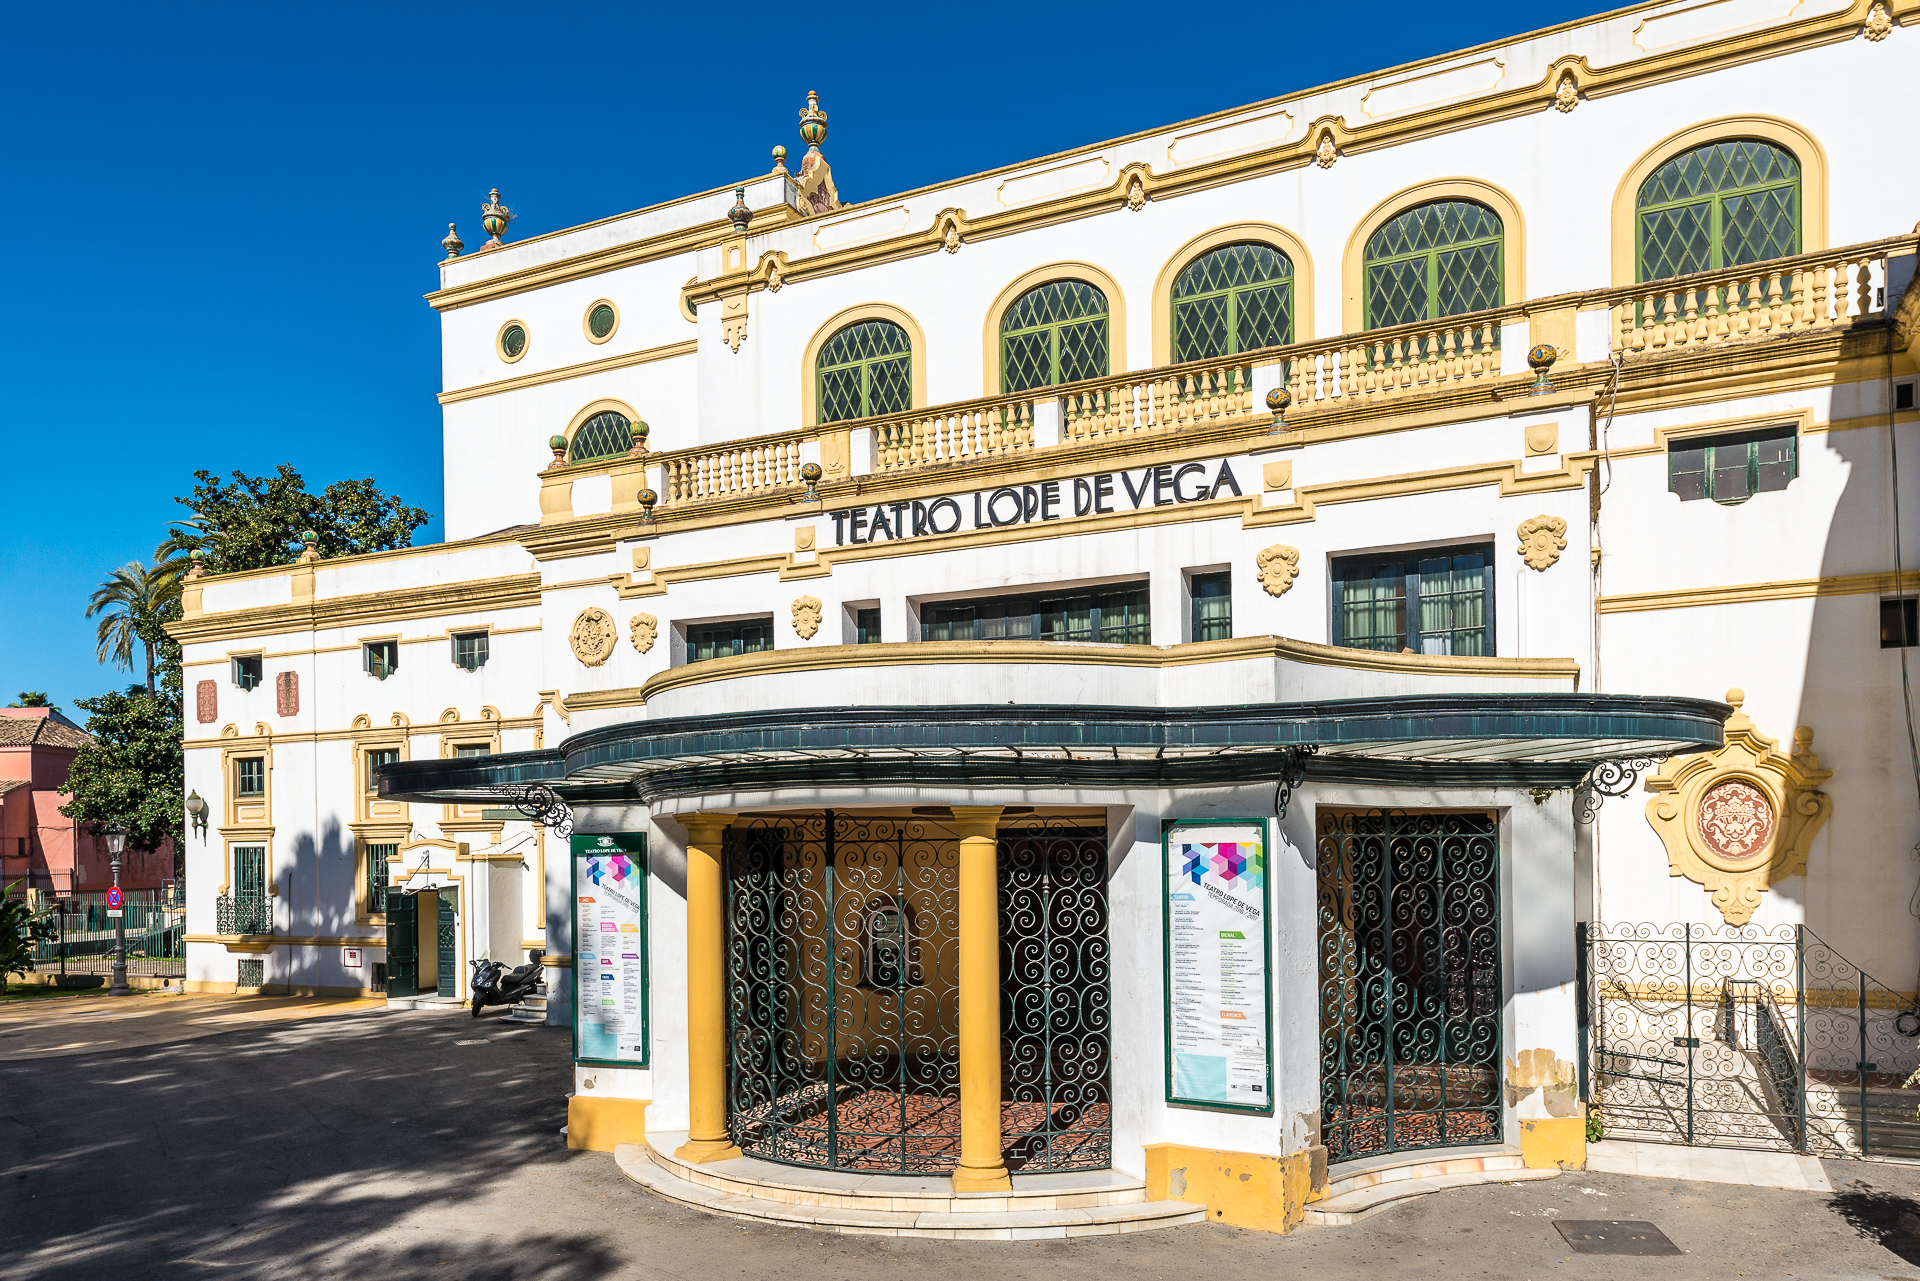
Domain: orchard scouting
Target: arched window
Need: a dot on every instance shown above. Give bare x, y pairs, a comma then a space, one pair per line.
607, 433
1232, 299
1439, 259
866, 369
1722, 205
1055, 333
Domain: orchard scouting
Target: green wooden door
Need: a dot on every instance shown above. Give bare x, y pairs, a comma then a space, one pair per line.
403, 946
445, 969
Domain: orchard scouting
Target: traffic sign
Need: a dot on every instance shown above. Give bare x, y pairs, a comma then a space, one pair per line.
113, 899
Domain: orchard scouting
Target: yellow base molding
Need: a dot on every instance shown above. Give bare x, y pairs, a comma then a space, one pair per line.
1266, 1193
1554, 1142
701, 1151
600, 1125
227, 987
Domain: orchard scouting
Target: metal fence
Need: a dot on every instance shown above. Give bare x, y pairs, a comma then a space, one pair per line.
1745, 1037
83, 938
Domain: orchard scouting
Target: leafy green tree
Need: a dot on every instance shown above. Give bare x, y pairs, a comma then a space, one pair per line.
253, 522
32, 698
133, 775
132, 604
20, 928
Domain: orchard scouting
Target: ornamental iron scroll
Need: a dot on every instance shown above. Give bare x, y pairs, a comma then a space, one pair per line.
1608, 778
539, 803
1293, 770
1738, 819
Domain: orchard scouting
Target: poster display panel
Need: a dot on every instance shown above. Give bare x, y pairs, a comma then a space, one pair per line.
1218, 957
610, 993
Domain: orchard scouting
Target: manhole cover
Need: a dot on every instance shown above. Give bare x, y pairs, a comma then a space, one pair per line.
1613, 1236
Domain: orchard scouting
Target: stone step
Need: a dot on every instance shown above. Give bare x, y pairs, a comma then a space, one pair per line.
982, 1224
1367, 1172
1351, 1207
854, 1190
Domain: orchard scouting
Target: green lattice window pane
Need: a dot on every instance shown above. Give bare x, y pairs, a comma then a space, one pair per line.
1373, 606
1083, 350
1028, 360
1722, 205
1200, 329
1397, 293
1054, 333
865, 369
840, 394
602, 436
1760, 226
889, 386
377, 856
1676, 241
1453, 604
1264, 318
1469, 279
1232, 267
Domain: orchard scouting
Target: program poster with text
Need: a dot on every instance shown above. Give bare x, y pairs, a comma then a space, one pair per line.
610, 948
1217, 961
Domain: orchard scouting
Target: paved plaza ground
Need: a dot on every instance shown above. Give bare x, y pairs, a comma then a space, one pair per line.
188, 1137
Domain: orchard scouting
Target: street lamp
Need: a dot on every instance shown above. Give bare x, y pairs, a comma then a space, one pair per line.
116, 846
197, 808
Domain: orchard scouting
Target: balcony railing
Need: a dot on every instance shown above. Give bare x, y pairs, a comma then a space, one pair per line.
242, 914
1807, 294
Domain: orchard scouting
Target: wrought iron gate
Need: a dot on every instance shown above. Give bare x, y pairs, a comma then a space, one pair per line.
1744, 1037
1410, 984
843, 1001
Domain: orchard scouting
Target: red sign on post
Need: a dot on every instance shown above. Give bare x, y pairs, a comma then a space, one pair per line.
113, 899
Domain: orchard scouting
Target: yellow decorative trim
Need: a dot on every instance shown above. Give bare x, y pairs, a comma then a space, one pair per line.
557, 962
1513, 285
1736, 848
668, 352
586, 329
594, 700
1233, 234
1509, 477
1749, 593
997, 653
260, 942
1101, 280
483, 595
525, 347
809, 376
1784, 133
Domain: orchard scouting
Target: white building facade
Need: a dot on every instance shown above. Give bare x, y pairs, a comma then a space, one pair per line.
1349, 514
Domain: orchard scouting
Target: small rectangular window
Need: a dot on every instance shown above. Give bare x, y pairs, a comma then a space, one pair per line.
724, 640
1212, 607
248, 670
1733, 468
380, 658
250, 776
866, 624
1431, 602
375, 759
470, 650
1900, 623
1116, 616
377, 856
1903, 395
473, 749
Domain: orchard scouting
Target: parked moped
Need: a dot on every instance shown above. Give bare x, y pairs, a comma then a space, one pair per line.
494, 984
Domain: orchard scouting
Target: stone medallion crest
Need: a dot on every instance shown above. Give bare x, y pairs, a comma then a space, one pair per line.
593, 636
1542, 540
1736, 819
806, 617
1279, 565
642, 630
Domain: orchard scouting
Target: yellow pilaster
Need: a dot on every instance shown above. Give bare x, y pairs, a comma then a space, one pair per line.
980, 1168
707, 1138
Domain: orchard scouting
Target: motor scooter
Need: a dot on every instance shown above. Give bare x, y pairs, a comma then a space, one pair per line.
494, 984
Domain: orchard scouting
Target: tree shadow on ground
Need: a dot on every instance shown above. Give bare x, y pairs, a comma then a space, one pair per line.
1888, 1218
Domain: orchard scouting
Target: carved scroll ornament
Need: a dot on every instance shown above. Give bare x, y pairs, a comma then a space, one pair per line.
1279, 565
593, 636
806, 617
1736, 820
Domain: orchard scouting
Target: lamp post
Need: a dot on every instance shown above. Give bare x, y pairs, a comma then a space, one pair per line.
116, 846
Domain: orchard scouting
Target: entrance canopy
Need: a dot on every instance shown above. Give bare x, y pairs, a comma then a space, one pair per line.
1483, 739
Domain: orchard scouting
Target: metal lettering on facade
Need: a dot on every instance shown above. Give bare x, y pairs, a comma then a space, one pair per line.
1100, 495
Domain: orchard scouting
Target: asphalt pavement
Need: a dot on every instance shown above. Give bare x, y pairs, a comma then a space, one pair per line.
185, 1137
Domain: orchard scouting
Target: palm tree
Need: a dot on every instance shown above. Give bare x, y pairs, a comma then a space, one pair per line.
133, 597
174, 556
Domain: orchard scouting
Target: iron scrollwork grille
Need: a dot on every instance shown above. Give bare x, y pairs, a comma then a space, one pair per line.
1608, 778
1745, 1036
1055, 1020
843, 985
1410, 981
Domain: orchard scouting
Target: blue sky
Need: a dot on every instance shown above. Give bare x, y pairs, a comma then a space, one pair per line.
222, 219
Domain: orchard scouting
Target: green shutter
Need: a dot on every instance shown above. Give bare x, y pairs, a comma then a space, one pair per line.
403, 947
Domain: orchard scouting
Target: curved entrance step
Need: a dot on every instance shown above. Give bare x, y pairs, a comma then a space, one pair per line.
1356, 1189
1093, 1203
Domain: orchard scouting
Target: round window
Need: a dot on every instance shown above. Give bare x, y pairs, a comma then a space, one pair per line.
513, 341
601, 321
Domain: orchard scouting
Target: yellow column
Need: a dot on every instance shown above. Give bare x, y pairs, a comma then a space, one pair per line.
980, 1168
707, 1138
